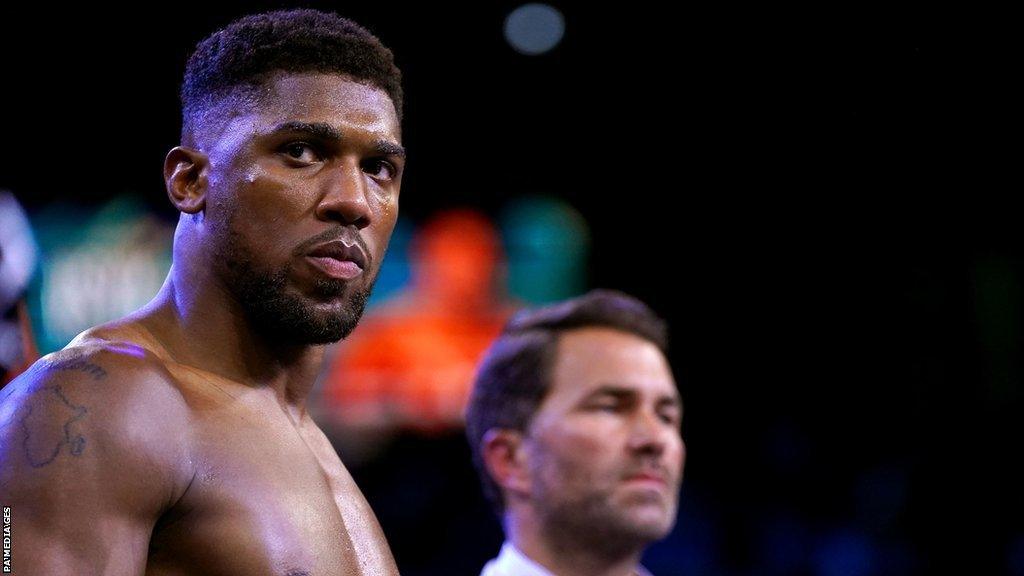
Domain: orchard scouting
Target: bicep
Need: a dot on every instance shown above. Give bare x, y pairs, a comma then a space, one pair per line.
75, 543
81, 500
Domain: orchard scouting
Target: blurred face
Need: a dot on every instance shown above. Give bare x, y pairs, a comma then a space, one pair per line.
303, 196
605, 451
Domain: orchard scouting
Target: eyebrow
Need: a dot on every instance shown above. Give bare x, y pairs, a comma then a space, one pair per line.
624, 392
324, 131
389, 148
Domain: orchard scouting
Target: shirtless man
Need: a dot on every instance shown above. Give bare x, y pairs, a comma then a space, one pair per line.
176, 440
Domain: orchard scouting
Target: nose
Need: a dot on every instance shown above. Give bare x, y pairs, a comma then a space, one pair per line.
344, 198
650, 434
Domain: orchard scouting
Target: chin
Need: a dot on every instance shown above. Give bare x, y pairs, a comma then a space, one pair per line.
653, 517
294, 318
326, 323
650, 526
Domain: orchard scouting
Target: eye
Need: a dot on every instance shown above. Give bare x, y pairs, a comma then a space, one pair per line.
609, 405
301, 151
669, 417
380, 169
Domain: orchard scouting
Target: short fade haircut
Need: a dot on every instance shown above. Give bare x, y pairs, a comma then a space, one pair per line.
515, 374
238, 59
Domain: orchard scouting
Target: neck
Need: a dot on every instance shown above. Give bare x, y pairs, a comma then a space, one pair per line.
569, 552
200, 325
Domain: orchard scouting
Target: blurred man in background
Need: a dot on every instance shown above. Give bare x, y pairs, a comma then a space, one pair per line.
574, 424
177, 440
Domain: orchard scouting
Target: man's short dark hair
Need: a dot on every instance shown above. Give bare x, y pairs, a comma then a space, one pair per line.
246, 53
515, 374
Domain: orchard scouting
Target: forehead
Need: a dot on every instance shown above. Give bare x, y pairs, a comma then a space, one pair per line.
335, 99
591, 358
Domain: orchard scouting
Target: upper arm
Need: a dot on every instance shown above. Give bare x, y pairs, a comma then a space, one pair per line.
85, 469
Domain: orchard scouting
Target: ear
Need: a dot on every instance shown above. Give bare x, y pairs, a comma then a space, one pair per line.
185, 176
504, 456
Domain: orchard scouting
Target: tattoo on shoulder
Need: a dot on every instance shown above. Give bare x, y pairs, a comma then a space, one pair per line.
79, 365
49, 421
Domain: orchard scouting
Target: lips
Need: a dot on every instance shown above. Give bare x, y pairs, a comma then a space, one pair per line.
339, 250
338, 259
652, 476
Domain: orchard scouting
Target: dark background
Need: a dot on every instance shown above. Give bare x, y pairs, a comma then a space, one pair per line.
821, 203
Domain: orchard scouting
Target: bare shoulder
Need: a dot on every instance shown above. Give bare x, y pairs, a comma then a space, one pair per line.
112, 377
97, 409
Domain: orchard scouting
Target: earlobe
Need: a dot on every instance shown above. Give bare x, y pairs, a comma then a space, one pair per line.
504, 454
185, 176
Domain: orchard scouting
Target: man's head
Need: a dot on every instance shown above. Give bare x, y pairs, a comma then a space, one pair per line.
574, 422
289, 170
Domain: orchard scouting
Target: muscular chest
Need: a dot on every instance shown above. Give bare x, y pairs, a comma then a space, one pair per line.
266, 498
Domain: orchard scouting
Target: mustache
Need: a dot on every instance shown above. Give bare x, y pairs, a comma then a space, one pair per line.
346, 234
654, 469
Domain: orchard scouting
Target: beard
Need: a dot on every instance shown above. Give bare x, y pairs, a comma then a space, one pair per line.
593, 518
330, 313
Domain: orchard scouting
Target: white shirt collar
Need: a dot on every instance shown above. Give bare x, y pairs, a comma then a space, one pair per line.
512, 562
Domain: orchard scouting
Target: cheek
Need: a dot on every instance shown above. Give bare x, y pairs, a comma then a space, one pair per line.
680, 449
384, 208
380, 235
256, 217
270, 196
585, 456
675, 455
261, 205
